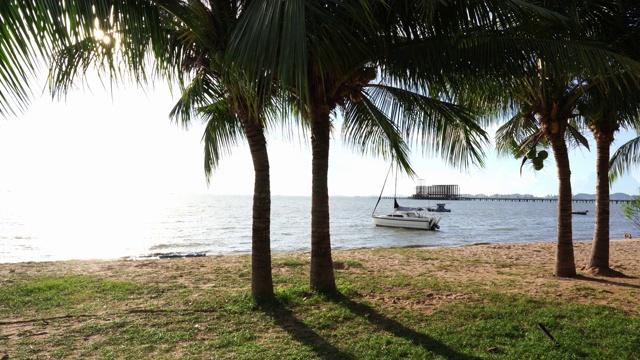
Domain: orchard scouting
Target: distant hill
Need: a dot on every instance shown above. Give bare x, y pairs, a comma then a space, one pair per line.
614, 196
621, 196
583, 196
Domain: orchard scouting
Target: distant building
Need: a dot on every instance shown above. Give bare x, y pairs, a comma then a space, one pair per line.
436, 192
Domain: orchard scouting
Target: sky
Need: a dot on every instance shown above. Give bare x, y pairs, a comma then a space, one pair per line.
98, 142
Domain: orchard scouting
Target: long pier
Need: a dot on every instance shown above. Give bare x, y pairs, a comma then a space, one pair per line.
507, 199
613, 201
452, 192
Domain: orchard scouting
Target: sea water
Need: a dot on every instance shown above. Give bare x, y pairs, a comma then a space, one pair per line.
89, 226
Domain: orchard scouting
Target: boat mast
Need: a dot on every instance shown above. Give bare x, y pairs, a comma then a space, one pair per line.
395, 187
382, 190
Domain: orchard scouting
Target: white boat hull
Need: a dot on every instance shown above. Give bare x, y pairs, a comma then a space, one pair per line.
391, 220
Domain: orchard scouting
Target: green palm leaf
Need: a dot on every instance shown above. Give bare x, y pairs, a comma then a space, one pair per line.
371, 131
437, 127
624, 159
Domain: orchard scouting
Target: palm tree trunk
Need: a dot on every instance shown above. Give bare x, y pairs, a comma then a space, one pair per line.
600, 248
261, 273
565, 262
321, 276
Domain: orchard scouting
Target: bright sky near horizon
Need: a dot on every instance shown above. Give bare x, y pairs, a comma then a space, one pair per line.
93, 142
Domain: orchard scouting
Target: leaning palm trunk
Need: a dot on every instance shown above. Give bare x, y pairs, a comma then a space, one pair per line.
261, 275
321, 275
600, 249
565, 262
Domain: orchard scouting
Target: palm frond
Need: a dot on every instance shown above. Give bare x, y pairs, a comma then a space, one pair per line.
222, 134
512, 137
18, 57
624, 159
274, 39
437, 127
202, 91
126, 35
370, 131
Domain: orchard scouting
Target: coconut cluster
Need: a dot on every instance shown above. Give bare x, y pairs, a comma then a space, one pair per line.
537, 158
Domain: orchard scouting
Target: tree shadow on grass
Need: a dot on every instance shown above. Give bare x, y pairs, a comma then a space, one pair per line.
287, 320
400, 330
608, 282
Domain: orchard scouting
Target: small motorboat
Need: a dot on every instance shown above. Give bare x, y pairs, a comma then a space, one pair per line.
439, 208
406, 217
580, 212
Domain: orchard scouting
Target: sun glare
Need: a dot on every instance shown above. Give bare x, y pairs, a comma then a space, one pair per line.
98, 34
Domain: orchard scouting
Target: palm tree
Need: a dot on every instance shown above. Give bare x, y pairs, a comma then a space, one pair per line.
184, 40
552, 99
544, 88
330, 59
294, 28
603, 111
453, 50
547, 105
608, 112
207, 37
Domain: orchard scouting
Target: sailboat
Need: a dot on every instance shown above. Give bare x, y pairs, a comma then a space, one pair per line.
404, 217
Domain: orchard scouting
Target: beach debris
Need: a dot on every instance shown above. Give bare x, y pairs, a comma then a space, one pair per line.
175, 256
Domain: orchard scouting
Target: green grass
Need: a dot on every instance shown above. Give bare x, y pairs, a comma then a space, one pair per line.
57, 293
377, 316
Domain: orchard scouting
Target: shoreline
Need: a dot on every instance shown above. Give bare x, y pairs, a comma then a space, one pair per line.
172, 255
527, 268
623, 254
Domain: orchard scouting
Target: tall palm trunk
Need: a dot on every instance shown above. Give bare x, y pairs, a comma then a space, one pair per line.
565, 262
261, 274
600, 248
321, 276
554, 127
